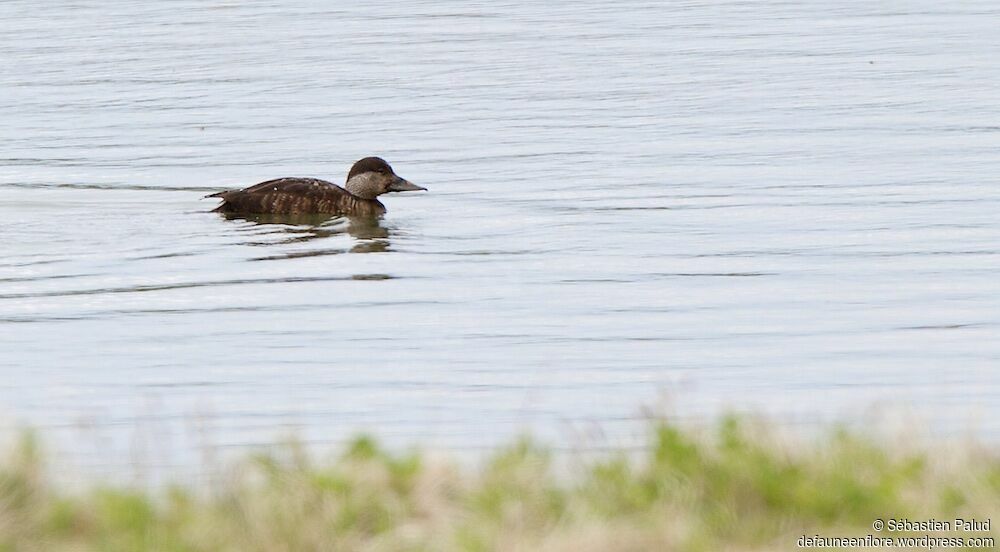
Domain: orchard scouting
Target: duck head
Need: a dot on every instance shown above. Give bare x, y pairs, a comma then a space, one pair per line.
372, 177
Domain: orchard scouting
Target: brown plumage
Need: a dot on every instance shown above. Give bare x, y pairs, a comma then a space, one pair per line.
368, 178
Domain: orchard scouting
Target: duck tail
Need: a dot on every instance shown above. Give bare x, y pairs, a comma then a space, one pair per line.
224, 195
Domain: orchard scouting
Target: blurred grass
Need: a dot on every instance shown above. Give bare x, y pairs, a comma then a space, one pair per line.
738, 487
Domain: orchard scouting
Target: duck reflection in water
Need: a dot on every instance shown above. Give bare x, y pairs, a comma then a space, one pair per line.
370, 234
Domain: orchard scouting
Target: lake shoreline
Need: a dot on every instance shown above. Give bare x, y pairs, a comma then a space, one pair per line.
737, 484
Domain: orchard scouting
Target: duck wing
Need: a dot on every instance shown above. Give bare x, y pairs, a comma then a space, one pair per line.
287, 196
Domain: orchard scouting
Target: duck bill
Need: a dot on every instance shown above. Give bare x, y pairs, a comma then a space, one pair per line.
404, 185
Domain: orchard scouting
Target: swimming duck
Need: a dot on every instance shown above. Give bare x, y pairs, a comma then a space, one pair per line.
369, 178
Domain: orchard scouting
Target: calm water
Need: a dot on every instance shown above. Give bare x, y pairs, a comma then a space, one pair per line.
694, 207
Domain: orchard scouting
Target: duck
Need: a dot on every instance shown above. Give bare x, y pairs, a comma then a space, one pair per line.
368, 178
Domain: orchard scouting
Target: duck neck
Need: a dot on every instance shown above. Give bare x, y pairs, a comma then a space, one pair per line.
360, 206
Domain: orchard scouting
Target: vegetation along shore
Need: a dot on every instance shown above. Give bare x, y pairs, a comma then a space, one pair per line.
735, 486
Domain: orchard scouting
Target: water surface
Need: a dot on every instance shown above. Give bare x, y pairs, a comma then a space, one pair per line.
689, 207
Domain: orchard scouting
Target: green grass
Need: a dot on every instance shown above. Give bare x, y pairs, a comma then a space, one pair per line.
737, 487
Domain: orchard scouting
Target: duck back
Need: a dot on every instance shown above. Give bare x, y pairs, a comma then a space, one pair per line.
296, 196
